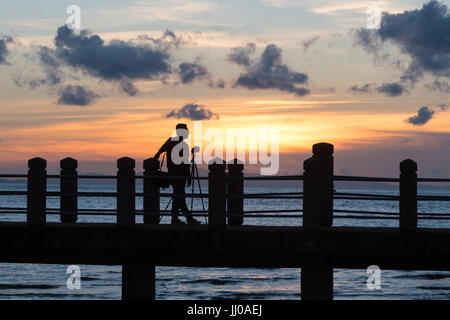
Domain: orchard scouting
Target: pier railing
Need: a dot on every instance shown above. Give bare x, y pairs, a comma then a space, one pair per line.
225, 196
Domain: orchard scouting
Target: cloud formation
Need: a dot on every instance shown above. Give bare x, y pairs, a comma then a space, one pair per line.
4, 51
189, 72
421, 34
128, 87
76, 95
192, 71
241, 55
193, 111
423, 115
168, 40
220, 84
438, 85
118, 61
270, 73
308, 43
393, 89
368, 87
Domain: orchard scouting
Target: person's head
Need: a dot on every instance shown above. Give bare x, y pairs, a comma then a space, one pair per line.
182, 130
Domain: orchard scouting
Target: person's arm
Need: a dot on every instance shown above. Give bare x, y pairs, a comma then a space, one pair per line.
162, 149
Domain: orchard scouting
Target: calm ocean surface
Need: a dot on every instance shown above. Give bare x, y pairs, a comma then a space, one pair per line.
33, 281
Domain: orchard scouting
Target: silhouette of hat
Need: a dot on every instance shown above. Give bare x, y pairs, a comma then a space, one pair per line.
181, 126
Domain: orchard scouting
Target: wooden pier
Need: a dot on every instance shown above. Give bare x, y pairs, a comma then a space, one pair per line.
316, 247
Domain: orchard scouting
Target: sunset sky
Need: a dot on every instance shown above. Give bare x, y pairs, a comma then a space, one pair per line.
311, 69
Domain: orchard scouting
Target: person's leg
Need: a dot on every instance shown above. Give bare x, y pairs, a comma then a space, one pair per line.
176, 206
183, 207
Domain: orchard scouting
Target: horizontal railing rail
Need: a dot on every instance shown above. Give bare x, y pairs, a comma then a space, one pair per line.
13, 175
361, 179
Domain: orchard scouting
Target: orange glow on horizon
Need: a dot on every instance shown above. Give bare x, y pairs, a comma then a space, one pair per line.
109, 130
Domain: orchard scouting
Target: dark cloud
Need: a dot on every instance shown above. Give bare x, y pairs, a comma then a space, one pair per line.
112, 61
308, 43
192, 71
169, 39
192, 111
392, 89
241, 55
368, 87
370, 41
220, 84
438, 85
118, 61
421, 34
52, 69
270, 73
4, 51
76, 95
189, 72
51, 65
422, 117
128, 87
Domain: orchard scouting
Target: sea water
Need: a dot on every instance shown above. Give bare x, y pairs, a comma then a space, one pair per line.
43, 281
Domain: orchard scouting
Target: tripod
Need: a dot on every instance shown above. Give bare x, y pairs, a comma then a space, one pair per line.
195, 176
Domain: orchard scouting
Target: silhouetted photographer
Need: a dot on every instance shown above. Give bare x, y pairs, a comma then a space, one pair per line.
178, 165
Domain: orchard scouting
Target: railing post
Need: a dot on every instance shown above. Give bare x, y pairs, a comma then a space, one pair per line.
408, 195
235, 188
126, 189
323, 153
217, 194
36, 192
151, 192
316, 276
69, 185
311, 193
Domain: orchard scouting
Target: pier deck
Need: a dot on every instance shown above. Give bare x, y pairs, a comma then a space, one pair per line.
233, 246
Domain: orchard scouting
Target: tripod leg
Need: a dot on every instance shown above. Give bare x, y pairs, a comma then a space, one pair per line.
192, 186
165, 210
200, 191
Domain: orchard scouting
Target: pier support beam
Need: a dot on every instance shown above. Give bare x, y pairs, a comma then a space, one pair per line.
138, 281
317, 283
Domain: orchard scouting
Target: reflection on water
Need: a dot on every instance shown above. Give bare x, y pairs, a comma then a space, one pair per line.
33, 281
